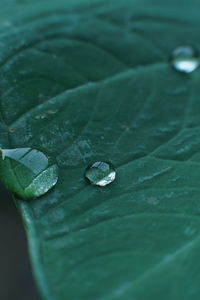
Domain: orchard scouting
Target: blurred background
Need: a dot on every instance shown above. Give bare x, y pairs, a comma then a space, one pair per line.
16, 279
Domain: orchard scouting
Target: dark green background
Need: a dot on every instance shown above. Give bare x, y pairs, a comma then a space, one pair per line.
16, 280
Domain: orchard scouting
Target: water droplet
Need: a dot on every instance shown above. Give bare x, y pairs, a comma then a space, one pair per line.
100, 173
11, 130
26, 172
185, 59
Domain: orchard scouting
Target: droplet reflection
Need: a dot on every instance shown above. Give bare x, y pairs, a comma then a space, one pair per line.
100, 173
185, 59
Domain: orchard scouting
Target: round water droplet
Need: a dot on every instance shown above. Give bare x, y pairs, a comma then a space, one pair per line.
185, 59
100, 173
26, 172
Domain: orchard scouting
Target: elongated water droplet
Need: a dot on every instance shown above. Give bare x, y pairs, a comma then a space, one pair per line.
100, 173
185, 59
26, 172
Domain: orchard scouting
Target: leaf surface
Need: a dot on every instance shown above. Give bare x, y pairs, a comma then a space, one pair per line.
92, 82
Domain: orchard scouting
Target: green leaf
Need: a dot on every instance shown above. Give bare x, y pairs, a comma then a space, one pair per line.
91, 81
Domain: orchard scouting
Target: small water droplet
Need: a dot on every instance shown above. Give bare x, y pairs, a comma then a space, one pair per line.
26, 172
185, 59
100, 173
52, 111
11, 130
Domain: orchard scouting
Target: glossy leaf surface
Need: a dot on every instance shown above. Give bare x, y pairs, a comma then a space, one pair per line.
91, 81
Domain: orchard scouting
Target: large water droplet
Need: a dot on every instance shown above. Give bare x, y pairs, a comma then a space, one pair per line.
26, 172
185, 59
100, 173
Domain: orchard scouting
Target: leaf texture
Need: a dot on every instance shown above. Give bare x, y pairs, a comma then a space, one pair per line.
91, 82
